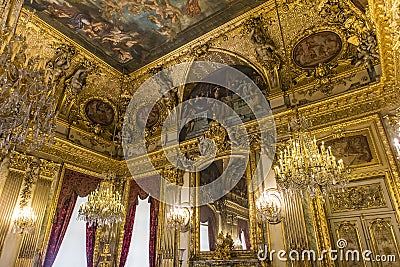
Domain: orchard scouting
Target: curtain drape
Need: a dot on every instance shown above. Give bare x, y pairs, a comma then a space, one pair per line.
154, 207
136, 192
74, 184
208, 215
129, 221
90, 241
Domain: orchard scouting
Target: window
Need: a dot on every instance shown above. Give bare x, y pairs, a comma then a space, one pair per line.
204, 242
243, 240
139, 247
73, 247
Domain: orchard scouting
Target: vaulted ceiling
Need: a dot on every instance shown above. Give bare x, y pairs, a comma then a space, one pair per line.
129, 34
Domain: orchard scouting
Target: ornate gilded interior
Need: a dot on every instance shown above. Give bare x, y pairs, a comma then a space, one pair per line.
337, 62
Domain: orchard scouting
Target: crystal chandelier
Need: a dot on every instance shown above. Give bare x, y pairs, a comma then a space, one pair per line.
305, 167
26, 94
269, 206
104, 206
178, 217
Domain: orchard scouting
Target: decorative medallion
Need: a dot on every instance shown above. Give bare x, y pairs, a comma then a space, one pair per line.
100, 112
151, 120
317, 48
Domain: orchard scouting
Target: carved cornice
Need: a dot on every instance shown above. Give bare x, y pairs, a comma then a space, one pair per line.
20, 162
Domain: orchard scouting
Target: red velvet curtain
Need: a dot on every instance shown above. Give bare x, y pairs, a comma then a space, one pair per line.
129, 221
74, 184
90, 241
134, 192
154, 206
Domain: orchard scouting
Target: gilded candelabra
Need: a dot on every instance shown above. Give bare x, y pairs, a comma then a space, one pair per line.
223, 247
178, 218
303, 166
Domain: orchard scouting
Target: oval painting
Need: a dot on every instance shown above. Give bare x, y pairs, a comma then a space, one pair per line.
152, 118
361, 4
100, 112
321, 47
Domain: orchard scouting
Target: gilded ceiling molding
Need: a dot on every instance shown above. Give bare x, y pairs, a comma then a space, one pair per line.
377, 13
66, 152
341, 107
361, 197
20, 161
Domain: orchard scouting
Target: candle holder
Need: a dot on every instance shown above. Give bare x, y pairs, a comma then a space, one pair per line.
181, 253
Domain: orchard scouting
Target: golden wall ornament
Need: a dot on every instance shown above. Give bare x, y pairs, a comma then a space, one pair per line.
28, 90
383, 236
25, 219
173, 175
223, 247
217, 133
358, 198
265, 49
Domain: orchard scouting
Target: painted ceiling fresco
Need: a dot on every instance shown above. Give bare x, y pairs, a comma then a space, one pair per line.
129, 34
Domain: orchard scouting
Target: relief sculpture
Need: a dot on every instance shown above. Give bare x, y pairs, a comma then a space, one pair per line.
358, 197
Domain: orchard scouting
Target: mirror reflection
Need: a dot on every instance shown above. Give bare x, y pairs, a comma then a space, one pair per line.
228, 215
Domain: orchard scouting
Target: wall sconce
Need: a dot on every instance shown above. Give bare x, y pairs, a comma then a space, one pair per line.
178, 218
269, 206
24, 221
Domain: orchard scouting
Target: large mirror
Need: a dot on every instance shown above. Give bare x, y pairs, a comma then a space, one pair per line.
228, 215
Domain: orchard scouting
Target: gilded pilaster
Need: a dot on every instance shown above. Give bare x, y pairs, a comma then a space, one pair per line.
322, 230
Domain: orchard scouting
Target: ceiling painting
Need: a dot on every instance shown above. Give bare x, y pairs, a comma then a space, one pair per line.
321, 47
129, 34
